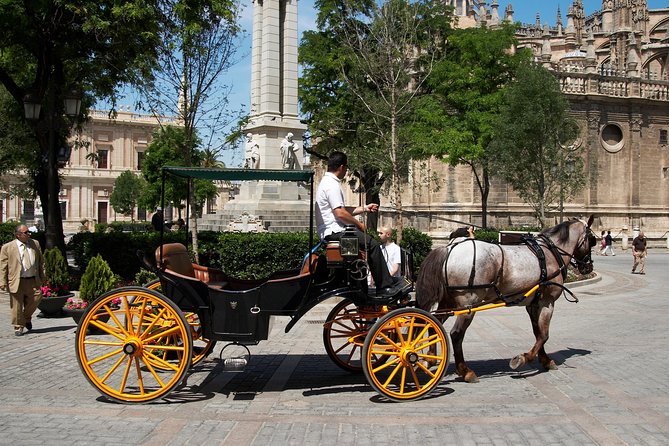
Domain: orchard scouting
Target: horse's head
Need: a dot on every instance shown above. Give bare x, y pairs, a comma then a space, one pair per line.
582, 255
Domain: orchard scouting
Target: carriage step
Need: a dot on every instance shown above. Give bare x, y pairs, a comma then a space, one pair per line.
234, 364
235, 356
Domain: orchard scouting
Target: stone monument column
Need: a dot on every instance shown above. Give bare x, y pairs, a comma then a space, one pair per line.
273, 115
274, 80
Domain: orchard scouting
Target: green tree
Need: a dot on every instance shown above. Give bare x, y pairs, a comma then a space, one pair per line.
127, 189
17, 144
51, 47
363, 70
455, 123
534, 147
165, 149
198, 48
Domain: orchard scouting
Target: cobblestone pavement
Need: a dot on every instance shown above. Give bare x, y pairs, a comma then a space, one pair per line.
610, 388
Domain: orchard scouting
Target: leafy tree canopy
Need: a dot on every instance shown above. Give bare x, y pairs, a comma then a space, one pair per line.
50, 47
127, 189
455, 121
363, 70
535, 146
166, 150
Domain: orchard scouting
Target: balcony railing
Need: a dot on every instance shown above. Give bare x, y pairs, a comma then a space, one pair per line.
573, 81
126, 116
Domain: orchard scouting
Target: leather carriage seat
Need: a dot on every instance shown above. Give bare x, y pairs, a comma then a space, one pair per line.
176, 258
310, 265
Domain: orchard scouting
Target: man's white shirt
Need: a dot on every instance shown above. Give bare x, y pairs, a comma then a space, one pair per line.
393, 256
329, 197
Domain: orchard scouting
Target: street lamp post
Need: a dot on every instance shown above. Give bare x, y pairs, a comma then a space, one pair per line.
50, 123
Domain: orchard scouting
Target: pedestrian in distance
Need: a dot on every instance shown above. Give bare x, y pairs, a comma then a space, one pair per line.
22, 275
639, 251
157, 220
602, 244
609, 244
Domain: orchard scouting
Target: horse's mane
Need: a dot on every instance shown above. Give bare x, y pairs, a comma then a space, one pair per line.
561, 231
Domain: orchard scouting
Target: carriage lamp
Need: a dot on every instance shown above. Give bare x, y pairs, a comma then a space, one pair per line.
348, 243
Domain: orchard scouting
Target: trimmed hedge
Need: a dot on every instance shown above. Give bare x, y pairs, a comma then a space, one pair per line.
8, 233
242, 255
418, 243
118, 248
123, 226
249, 255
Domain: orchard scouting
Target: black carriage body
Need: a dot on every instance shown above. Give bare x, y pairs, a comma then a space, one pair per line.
237, 310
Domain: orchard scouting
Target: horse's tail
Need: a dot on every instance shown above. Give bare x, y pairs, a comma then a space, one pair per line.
431, 285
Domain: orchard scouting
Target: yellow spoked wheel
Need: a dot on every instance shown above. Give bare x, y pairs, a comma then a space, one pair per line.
344, 333
201, 346
416, 350
124, 335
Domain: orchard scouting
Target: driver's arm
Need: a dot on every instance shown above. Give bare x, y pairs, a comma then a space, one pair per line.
345, 216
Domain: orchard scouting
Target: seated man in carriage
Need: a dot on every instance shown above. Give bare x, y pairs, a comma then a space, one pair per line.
332, 216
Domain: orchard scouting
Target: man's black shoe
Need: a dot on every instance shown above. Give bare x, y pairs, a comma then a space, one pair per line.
29, 325
389, 291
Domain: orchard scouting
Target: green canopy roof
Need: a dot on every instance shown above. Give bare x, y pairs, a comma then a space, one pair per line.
206, 173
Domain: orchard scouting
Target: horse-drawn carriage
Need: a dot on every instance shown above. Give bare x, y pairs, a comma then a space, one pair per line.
136, 344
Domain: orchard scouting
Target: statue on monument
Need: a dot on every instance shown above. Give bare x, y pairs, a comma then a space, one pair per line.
288, 150
251, 153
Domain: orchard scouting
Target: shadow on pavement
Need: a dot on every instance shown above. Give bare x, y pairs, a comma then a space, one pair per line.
51, 329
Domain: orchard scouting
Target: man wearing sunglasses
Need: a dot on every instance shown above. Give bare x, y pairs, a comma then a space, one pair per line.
22, 274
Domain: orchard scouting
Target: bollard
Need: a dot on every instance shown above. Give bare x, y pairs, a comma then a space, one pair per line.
624, 238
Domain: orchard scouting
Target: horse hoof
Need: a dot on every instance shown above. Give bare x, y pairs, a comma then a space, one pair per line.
517, 362
551, 365
471, 377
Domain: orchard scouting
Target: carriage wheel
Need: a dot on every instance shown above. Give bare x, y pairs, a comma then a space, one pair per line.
344, 333
201, 347
119, 356
416, 349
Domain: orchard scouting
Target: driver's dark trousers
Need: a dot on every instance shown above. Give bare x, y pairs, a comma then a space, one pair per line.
377, 263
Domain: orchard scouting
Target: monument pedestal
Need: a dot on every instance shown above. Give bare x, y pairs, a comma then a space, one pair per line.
282, 206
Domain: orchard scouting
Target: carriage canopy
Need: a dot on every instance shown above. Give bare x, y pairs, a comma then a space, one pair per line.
205, 173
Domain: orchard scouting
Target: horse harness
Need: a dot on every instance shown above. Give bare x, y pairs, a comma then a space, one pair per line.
535, 246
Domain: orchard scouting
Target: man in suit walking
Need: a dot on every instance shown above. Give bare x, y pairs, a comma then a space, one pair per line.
22, 274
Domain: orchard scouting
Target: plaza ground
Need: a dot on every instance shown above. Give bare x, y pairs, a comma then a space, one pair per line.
610, 387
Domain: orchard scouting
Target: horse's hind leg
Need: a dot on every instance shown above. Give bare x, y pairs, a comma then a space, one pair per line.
457, 336
540, 316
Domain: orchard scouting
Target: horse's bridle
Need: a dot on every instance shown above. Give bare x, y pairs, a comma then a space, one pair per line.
586, 260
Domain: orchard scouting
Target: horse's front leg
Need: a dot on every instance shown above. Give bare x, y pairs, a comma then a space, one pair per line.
540, 316
457, 336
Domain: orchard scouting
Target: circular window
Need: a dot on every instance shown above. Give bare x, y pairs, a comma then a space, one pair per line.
612, 138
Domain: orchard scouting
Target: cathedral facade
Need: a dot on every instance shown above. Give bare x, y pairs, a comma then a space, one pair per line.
613, 66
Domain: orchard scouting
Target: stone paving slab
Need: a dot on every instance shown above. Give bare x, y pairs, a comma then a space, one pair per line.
610, 387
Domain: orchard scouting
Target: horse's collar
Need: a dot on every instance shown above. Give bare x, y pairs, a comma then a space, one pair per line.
557, 254
538, 251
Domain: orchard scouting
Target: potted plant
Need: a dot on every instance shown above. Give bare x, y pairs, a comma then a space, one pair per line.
56, 288
98, 278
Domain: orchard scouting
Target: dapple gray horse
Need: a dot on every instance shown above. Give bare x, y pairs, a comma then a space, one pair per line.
470, 273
